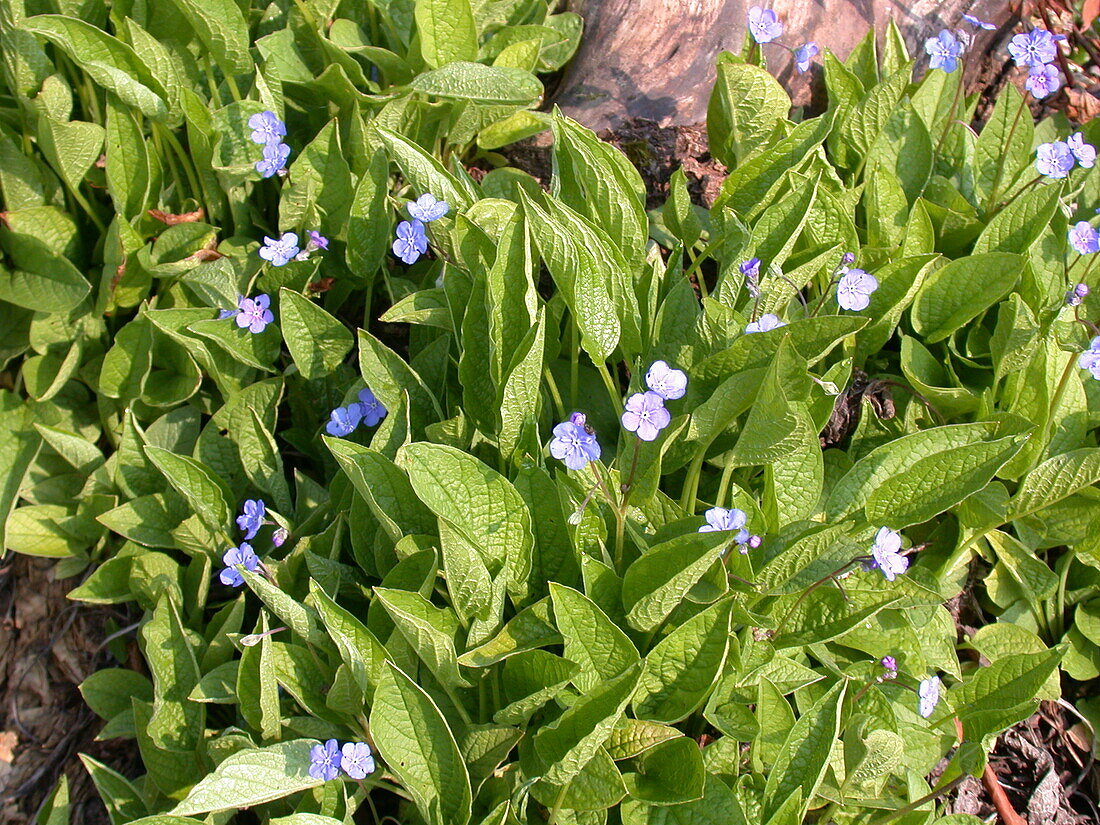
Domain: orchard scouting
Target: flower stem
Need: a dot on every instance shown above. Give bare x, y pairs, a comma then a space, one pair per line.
1001, 163
951, 114
1057, 400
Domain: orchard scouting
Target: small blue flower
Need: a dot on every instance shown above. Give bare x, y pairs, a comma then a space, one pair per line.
928, 694
1084, 152
767, 322
1055, 160
764, 25
1090, 358
1043, 81
266, 128
719, 519
804, 54
254, 314
370, 408
574, 443
1034, 48
646, 415
324, 760
1076, 296
316, 241
280, 251
890, 665
356, 760
978, 24
944, 50
854, 290
251, 518
274, 160
412, 242
1084, 239
886, 555
667, 382
343, 420
427, 209
750, 269
243, 556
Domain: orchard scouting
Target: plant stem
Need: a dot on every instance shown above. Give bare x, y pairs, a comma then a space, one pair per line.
691, 482
1001, 163
609, 382
951, 113
555, 396
574, 359
185, 161
706, 253
557, 805
1057, 400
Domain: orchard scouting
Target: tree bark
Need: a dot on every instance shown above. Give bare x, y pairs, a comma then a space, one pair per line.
654, 59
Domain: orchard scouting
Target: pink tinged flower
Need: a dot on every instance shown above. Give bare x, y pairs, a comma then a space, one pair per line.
279, 537
574, 443
1085, 240
1043, 81
767, 322
855, 289
370, 407
764, 25
324, 760
886, 555
356, 760
1036, 47
1084, 152
1055, 160
890, 665
427, 209
254, 314
234, 556
1090, 358
667, 382
928, 696
646, 415
804, 54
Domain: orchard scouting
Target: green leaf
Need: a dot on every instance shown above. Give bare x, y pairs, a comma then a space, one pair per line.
413, 737
479, 503
527, 630
941, 307
1016, 227
656, 583
252, 777
568, 743
669, 773
369, 221
426, 174
300, 618
805, 755
222, 28
519, 404
447, 31
207, 494
108, 61
47, 283
495, 85
937, 483
719, 806
682, 669
747, 106
1006, 144
998, 696
176, 722
1055, 479
429, 630
123, 801
18, 447
361, 651
592, 640
317, 342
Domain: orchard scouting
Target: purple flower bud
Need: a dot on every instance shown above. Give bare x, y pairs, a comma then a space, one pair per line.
1081, 290
279, 537
848, 259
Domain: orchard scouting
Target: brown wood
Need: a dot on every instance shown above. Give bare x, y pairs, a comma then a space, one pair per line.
654, 59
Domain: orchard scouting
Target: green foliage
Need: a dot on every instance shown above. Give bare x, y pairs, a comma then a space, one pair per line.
517, 641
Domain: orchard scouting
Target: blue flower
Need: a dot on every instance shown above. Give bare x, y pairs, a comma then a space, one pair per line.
848, 258
356, 760
751, 270
324, 760
412, 242
251, 518
1090, 358
978, 24
1043, 81
1076, 296
575, 443
668, 383
279, 537
254, 314
646, 415
1055, 160
1034, 48
282, 251
266, 128
1084, 239
928, 695
890, 665
804, 54
427, 209
767, 322
944, 50
886, 555
854, 290
343, 420
370, 408
719, 519
274, 160
316, 241
1084, 152
764, 25
242, 555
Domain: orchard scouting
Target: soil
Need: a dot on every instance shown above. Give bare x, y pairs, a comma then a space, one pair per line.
48, 646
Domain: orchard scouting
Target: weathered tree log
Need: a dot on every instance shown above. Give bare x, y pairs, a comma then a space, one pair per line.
654, 59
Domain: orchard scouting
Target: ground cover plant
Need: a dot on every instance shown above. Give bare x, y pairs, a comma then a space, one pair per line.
456, 500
